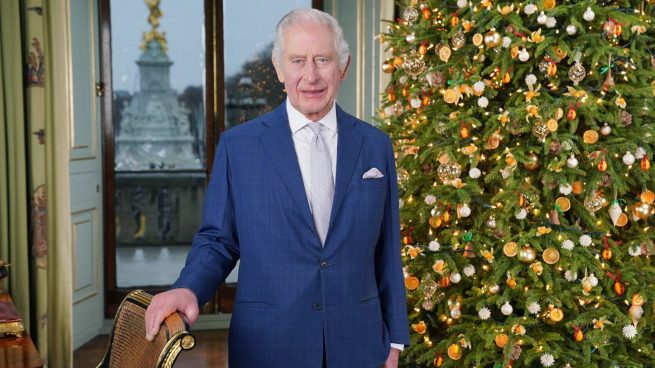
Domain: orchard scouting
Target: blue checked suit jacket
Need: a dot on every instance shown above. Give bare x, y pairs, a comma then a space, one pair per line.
297, 300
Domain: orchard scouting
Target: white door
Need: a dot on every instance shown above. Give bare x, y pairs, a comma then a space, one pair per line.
85, 173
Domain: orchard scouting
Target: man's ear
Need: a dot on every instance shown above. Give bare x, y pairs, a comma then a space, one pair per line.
278, 70
345, 70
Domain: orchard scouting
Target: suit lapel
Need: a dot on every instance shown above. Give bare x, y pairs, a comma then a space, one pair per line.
277, 139
349, 145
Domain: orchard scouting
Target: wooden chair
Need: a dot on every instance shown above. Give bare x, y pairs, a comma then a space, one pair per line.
128, 346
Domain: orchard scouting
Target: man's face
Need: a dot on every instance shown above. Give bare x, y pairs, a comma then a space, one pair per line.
309, 69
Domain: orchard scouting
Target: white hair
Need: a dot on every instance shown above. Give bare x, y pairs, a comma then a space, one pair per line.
312, 16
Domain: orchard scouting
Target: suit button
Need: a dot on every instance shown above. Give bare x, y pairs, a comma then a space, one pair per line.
318, 306
324, 264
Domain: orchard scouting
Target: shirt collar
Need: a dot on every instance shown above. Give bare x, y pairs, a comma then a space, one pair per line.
298, 121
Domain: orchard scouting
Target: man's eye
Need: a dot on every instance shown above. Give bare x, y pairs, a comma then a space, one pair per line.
296, 61
321, 60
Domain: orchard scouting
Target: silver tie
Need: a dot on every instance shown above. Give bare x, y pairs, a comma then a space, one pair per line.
322, 186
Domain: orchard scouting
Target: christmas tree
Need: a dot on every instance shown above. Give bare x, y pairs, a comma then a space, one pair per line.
524, 134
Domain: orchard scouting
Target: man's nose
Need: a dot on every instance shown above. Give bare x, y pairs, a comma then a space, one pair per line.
311, 72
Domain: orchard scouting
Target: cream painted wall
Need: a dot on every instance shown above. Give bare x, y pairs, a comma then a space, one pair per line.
362, 22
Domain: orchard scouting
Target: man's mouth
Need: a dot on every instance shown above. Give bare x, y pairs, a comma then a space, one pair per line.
313, 93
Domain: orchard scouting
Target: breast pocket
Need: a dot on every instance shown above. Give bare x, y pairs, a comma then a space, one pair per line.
372, 200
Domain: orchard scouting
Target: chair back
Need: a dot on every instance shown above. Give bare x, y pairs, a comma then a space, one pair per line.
128, 346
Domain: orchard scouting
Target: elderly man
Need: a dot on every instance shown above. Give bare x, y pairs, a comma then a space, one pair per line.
306, 198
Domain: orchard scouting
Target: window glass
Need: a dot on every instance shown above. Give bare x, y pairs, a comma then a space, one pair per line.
251, 85
158, 113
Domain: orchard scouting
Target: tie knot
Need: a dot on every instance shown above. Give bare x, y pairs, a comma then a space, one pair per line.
316, 127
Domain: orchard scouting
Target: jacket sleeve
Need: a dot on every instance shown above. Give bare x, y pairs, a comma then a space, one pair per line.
215, 248
389, 271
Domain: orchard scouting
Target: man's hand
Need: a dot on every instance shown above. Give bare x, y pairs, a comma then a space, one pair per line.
167, 303
392, 360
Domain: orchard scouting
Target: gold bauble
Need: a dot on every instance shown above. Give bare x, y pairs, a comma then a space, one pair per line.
619, 289
578, 335
388, 66
550, 255
607, 254
435, 221
527, 254
532, 162
641, 210
549, 4
492, 39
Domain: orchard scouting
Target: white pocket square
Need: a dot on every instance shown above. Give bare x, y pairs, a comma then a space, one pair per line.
372, 174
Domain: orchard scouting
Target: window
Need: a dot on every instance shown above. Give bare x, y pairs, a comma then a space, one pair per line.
177, 73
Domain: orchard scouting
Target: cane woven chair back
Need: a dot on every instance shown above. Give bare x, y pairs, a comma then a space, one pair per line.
128, 347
